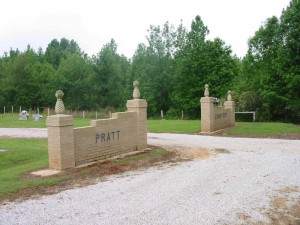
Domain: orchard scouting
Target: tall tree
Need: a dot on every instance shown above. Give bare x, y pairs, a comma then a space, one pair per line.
153, 65
109, 79
271, 70
201, 61
57, 51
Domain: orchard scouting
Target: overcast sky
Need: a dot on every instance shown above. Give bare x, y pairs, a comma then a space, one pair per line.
92, 23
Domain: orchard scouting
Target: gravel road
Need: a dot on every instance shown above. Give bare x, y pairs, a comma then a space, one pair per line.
231, 188
23, 132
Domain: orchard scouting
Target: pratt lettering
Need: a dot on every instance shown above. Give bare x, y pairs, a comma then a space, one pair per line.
102, 137
109, 136
97, 137
220, 115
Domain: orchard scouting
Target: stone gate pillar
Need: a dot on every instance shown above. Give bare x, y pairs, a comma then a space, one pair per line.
207, 112
60, 137
140, 107
229, 104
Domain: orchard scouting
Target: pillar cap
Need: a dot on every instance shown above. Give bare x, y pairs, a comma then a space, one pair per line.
59, 120
137, 103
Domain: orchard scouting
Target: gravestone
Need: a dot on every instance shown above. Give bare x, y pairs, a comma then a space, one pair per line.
23, 115
37, 117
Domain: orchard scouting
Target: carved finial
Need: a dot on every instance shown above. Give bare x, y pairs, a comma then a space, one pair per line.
229, 97
136, 91
206, 92
59, 106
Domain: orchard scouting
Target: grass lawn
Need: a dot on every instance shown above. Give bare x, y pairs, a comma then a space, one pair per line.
168, 126
9, 120
174, 126
26, 155
263, 129
23, 155
241, 128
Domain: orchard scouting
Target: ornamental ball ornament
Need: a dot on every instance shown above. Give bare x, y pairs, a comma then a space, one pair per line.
59, 94
206, 91
136, 91
59, 106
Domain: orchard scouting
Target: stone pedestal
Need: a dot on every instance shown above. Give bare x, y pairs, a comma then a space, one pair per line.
231, 106
140, 107
207, 114
61, 142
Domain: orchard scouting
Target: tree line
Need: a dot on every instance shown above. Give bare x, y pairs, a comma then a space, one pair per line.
173, 65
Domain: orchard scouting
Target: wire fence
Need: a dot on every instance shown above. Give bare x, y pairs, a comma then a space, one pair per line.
85, 114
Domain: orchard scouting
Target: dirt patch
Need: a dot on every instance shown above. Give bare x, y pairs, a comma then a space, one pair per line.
222, 150
92, 173
189, 153
283, 210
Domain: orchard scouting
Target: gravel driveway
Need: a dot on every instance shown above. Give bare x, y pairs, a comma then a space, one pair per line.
239, 187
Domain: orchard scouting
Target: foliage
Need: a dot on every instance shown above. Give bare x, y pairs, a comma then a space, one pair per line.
172, 66
271, 69
202, 62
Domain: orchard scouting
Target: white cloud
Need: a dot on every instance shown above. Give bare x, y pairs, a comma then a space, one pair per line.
92, 23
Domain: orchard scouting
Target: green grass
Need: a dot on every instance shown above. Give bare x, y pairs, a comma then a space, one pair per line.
174, 126
242, 128
9, 120
26, 155
23, 156
262, 129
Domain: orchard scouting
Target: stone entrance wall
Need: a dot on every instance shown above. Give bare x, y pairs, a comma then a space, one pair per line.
214, 117
124, 132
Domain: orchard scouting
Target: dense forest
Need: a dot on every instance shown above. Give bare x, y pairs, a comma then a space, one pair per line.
172, 67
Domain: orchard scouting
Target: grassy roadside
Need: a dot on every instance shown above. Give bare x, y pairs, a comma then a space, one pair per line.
174, 126
9, 120
250, 129
22, 156
262, 129
26, 155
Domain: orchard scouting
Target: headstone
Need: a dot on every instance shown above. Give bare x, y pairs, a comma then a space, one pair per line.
37, 117
23, 115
